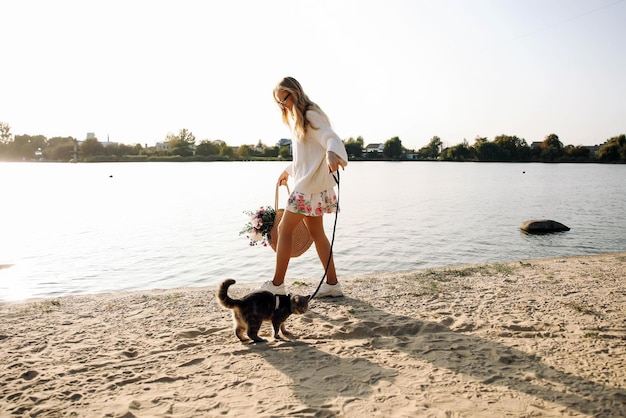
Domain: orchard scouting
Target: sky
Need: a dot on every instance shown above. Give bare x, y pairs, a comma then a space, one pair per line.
133, 71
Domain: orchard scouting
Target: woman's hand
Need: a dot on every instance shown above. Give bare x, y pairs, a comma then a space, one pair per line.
334, 162
282, 179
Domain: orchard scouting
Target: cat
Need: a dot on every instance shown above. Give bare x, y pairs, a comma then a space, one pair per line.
253, 309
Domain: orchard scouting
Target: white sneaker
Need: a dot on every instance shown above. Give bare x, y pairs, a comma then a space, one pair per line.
277, 290
329, 290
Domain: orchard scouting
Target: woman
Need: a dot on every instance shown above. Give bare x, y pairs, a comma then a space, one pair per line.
317, 153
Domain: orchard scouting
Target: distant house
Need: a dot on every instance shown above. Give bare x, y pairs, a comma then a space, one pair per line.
375, 148
162, 146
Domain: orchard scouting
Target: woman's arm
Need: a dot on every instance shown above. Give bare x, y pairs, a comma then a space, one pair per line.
321, 130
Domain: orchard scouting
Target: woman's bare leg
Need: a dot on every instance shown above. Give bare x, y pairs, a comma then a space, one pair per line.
287, 224
315, 225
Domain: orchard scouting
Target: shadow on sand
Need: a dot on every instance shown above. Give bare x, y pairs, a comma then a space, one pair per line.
320, 375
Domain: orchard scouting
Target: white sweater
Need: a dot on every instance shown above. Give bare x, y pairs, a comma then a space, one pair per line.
309, 168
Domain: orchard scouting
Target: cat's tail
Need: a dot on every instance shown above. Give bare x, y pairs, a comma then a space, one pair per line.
222, 294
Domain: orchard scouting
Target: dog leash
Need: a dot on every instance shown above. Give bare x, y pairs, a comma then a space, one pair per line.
332, 241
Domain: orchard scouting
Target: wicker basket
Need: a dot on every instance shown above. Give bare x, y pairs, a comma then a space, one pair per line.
301, 238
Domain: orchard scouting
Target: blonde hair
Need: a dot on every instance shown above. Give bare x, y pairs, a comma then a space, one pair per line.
302, 103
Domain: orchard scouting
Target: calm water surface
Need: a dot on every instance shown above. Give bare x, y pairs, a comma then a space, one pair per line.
89, 228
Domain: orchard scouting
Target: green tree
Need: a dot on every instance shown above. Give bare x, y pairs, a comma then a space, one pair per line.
61, 148
553, 140
92, 147
488, 151
613, 150
432, 150
513, 148
393, 148
182, 144
354, 147
207, 147
551, 148
285, 152
243, 151
5, 133
480, 140
119, 150
578, 153
460, 152
23, 147
138, 150
227, 151
187, 136
5, 136
224, 149
271, 152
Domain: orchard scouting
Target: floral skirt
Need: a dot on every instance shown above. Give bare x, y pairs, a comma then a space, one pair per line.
315, 204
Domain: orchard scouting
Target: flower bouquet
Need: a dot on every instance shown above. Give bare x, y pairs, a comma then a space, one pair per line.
263, 224
259, 226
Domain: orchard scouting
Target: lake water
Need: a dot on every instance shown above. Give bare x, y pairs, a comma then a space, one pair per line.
90, 228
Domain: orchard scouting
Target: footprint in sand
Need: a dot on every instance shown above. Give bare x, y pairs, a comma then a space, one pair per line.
193, 362
193, 333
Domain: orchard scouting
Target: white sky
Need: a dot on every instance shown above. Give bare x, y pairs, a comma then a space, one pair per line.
138, 70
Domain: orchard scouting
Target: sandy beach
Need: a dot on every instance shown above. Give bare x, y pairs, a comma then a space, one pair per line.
527, 338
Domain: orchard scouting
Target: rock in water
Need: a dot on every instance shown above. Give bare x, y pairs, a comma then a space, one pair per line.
543, 226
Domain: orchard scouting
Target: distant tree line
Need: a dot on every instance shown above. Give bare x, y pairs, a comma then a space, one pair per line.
503, 148
175, 147
183, 147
